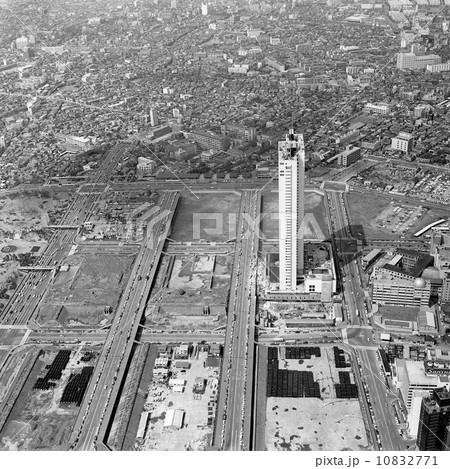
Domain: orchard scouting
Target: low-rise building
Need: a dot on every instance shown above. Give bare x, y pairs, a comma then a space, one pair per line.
272, 63
142, 425
378, 108
145, 166
403, 142
239, 69
209, 140
390, 290
182, 364
436, 68
371, 257
349, 156
174, 419
239, 133
31, 82
411, 61
181, 352
199, 386
161, 362
83, 143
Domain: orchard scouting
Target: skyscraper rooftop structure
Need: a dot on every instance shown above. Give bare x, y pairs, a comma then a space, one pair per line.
291, 184
434, 422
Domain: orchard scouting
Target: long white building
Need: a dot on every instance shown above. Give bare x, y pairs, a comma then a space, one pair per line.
411, 61
291, 185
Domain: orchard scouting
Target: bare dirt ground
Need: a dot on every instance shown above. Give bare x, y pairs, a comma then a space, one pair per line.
314, 425
192, 273
224, 205
207, 276
80, 296
10, 246
314, 209
38, 421
24, 213
21, 223
185, 317
184, 285
381, 218
9, 373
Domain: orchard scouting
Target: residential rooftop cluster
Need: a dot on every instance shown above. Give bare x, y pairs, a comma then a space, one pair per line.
423, 182
89, 74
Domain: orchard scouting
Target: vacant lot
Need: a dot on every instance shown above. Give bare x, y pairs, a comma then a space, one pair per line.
200, 272
369, 213
22, 220
210, 217
84, 294
314, 425
24, 213
314, 215
311, 423
364, 209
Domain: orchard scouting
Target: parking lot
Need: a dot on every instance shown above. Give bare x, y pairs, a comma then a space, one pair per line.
324, 423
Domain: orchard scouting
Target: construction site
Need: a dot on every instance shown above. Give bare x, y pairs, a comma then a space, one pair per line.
206, 217
24, 233
191, 292
169, 399
85, 291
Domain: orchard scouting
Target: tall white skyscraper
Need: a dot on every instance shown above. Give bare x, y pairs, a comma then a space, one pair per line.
291, 207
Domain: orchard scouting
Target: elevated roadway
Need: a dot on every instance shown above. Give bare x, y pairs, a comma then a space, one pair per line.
96, 410
178, 337
146, 336
232, 431
32, 288
62, 227
36, 268
200, 248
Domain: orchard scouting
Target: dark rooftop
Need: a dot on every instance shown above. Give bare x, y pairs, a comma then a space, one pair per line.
442, 396
423, 261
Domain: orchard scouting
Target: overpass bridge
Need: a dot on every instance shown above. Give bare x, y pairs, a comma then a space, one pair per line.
199, 248
37, 268
63, 227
